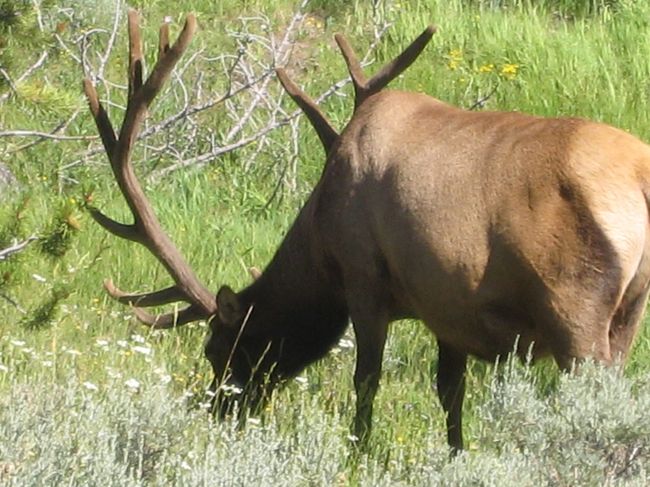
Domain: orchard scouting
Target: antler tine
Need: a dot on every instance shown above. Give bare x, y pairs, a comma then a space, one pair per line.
393, 69
359, 79
163, 39
364, 88
157, 298
166, 63
146, 229
169, 320
165, 296
318, 120
135, 53
104, 125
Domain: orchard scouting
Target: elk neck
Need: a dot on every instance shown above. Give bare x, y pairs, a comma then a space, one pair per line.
298, 301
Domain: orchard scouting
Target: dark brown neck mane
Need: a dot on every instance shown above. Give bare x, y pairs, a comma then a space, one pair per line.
298, 302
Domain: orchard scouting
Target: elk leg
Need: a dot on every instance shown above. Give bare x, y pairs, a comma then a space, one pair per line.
451, 391
626, 322
371, 337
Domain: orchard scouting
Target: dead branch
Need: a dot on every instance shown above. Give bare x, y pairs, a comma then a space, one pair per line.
16, 247
480, 103
250, 99
45, 135
28, 72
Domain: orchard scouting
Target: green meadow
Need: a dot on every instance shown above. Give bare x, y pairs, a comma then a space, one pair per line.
90, 397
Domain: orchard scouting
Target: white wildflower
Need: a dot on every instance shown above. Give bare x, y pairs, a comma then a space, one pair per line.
90, 386
138, 338
346, 343
39, 278
142, 350
230, 389
112, 373
132, 384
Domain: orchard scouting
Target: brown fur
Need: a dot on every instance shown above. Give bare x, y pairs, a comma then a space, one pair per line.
494, 229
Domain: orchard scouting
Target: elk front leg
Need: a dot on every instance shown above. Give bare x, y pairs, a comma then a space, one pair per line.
371, 337
451, 391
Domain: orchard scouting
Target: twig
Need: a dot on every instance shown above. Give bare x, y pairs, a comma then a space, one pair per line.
13, 302
480, 103
10, 82
59, 128
39, 16
28, 72
45, 135
16, 247
111, 40
282, 52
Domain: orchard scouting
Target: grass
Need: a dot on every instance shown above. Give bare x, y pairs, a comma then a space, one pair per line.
89, 397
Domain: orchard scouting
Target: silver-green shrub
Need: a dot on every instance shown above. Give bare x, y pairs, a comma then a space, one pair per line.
592, 428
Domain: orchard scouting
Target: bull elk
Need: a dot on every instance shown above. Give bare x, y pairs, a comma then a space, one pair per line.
497, 230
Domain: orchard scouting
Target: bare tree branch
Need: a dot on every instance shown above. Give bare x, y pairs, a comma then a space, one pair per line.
59, 128
45, 135
16, 247
250, 98
28, 72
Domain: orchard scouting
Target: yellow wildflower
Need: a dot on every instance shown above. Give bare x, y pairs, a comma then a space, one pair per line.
454, 59
456, 54
509, 71
486, 68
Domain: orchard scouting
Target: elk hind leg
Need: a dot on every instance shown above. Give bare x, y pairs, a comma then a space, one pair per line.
627, 320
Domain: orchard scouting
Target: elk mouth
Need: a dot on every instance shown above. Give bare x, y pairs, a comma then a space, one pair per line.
233, 399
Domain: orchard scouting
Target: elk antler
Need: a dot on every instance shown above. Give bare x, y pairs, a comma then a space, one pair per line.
318, 120
145, 228
363, 88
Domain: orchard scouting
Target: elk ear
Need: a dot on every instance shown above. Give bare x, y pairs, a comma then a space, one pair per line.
254, 272
228, 306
